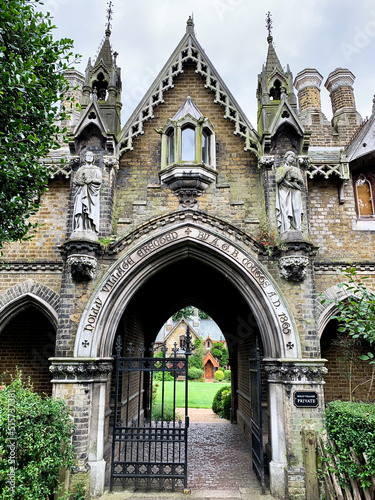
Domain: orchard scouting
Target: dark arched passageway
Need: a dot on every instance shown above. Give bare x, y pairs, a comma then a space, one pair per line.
190, 281
27, 341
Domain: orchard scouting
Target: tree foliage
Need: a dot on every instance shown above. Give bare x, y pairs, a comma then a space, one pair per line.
196, 359
356, 314
220, 352
32, 66
188, 312
356, 317
35, 442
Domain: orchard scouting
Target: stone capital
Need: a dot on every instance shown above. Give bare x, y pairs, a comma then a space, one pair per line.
292, 372
75, 370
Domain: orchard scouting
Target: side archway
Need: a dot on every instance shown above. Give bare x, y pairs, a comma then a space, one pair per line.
28, 320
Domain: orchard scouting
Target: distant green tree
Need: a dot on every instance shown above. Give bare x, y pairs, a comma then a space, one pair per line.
196, 359
32, 67
220, 352
188, 312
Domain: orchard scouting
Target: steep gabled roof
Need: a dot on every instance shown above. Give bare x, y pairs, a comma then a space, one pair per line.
364, 141
91, 116
285, 114
189, 49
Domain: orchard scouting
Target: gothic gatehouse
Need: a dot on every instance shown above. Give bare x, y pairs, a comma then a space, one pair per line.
188, 203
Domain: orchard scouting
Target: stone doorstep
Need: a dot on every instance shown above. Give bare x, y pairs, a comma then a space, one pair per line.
204, 494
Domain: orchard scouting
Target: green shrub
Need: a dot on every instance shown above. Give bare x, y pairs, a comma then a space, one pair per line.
167, 376
227, 404
219, 375
35, 442
227, 375
194, 373
220, 398
351, 426
166, 415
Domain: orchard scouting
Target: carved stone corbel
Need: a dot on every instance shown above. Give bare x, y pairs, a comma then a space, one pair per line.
293, 267
82, 267
111, 162
266, 162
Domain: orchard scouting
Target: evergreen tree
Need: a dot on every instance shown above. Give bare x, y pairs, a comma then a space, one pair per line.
32, 67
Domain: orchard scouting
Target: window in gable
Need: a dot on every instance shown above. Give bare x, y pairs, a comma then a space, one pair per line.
188, 144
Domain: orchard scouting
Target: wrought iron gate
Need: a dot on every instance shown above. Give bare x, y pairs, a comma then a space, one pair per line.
149, 445
256, 415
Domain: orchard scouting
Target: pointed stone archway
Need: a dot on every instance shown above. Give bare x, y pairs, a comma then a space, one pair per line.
211, 268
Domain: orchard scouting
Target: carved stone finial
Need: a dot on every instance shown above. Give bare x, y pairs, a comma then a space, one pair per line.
269, 26
82, 267
190, 25
109, 18
293, 267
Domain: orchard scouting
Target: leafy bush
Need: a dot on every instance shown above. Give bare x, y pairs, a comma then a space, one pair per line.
219, 375
163, 414
195, 373
227, 374
167, 376
227, 404
222, 402
351, 426
35, 442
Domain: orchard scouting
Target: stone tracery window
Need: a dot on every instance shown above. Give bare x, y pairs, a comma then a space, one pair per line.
364, 185
188, 138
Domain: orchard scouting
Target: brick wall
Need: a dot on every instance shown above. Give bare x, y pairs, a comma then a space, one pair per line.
339, 367
331, 223
140, 197
51, 231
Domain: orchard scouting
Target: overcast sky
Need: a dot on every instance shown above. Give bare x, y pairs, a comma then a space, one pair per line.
321, 34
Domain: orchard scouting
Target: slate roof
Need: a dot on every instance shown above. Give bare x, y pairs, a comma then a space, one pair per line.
207, 327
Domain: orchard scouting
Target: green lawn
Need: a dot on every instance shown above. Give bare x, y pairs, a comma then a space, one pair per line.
200, 395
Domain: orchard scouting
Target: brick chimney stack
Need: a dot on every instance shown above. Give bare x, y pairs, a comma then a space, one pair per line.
340, 87
307, 83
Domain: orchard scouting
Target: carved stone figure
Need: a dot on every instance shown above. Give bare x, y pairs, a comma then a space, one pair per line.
87, 182
288, 197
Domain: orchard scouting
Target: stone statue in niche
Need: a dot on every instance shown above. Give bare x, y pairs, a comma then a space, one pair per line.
87, 182
289, 181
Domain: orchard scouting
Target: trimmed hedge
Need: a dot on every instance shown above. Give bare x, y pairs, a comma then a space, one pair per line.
195, 373
222, 402
227, 375
219, 375
351, 426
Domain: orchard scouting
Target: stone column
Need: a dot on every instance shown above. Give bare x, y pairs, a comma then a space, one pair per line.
82, 382
296, 402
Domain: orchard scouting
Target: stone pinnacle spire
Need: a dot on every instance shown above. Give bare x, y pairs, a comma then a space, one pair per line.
272, 59
190, 25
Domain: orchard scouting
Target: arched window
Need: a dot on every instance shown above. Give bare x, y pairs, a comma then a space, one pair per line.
208, 344
188, 144
275, 92
364, 189
170, 151
182, 341
206, 150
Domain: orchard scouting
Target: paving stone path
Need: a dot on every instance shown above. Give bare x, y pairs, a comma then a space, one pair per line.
219, 467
